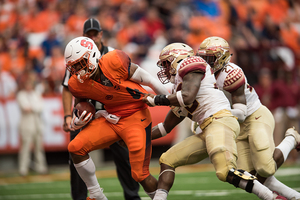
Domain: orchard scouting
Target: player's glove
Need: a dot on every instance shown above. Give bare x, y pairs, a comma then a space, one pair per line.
156, 100
79, 122
109, 117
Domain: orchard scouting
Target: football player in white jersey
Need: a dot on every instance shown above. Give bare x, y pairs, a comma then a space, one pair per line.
255, 145
196, 96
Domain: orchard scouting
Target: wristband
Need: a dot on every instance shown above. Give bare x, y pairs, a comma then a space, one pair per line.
180, 99
161, 100
162, 129
65, 117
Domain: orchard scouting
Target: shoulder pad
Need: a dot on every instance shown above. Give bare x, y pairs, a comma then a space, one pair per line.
193, 63
234, 80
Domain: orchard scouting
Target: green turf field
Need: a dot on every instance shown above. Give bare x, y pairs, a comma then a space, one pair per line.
201, 184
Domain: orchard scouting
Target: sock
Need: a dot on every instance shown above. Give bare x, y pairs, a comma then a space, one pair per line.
258, 189
273, 184
287, 144
86, 170
161, 194
261, 191
151, 194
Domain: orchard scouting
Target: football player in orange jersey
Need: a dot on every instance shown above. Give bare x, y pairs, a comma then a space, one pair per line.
116, 82
92, 29
255, 144
196, 96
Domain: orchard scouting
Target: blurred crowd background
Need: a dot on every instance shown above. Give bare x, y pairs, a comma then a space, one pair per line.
264, 36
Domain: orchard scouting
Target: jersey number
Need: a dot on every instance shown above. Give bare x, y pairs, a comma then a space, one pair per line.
135, 93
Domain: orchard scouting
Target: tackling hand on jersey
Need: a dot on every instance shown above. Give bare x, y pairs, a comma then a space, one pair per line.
156, 100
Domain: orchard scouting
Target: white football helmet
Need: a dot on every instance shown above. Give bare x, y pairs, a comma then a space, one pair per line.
81, 56
215, 51
170, 57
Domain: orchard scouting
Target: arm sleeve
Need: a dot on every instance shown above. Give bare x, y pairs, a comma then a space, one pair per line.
234, 80
142, 77
192, 64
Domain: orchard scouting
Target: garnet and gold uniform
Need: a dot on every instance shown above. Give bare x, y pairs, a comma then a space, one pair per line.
211, 109
255, 142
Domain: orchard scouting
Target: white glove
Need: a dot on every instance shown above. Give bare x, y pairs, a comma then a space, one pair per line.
240, 111
151, 101
109, 117
80, 122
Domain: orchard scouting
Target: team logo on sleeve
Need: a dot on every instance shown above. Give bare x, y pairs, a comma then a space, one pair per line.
234, 80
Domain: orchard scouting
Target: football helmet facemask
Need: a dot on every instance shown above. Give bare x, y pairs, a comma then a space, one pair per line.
81, 56
215, 51
169, 59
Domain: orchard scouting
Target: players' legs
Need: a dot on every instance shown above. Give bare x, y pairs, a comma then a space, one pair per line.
290, 142
92, 137
265, 157
189, 151
260, 138
220, 138
281, 153
121, 159
78, 187
138, 141
221, 147
135, 131
275, 185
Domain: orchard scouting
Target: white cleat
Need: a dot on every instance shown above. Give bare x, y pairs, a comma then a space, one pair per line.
296, 135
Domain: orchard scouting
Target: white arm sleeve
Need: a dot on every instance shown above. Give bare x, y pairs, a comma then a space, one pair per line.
142, 77
240, 111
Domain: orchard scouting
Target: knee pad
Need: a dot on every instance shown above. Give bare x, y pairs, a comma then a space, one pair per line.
266, 171
75, 147
164, 159
239, 175
223, 161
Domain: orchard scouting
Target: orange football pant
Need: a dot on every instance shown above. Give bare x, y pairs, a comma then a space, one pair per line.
135, 130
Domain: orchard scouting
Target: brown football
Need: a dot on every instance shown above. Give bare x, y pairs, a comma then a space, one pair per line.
84, 105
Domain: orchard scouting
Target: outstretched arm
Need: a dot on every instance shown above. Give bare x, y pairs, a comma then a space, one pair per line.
141, 76
190, 87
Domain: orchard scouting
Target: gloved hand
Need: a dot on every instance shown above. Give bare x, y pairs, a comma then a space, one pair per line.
109, 117
80, 122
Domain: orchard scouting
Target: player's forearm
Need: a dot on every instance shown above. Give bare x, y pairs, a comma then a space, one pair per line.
142, 77
162, 129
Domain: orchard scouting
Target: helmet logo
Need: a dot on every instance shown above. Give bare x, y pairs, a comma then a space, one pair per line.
86, 44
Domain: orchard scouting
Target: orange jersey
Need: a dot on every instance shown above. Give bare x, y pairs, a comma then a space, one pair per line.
120, 96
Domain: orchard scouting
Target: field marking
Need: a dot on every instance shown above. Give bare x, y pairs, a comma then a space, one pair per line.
197, 193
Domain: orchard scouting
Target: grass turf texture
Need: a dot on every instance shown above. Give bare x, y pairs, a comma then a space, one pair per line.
194, 182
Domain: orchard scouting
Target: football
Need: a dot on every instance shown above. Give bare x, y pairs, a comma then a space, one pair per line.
82, 106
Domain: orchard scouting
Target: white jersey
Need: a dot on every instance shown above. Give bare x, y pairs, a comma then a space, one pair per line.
230, 78
209, 98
